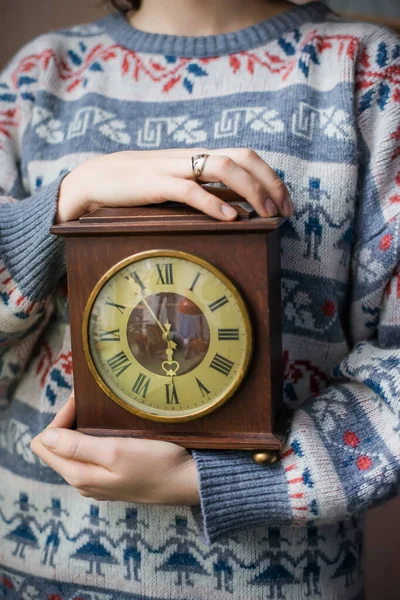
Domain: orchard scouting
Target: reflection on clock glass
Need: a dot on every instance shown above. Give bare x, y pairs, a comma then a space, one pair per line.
168, 335
188, 330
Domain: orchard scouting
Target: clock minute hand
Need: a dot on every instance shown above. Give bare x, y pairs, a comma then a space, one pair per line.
167, 337
161, 326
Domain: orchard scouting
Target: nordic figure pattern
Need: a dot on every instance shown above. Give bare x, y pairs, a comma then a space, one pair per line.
124, 542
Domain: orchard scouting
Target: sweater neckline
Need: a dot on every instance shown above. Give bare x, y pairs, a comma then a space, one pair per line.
122, 32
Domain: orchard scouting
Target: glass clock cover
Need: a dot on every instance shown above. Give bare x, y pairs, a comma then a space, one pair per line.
167, 335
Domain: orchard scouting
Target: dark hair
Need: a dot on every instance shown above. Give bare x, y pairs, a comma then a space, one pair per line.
125, 5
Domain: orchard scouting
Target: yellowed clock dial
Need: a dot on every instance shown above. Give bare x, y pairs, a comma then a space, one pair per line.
167, 335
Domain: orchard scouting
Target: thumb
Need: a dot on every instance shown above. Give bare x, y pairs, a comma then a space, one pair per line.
65, 418
74, 445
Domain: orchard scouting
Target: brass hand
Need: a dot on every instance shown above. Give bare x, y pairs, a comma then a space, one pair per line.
170, 366
161, 326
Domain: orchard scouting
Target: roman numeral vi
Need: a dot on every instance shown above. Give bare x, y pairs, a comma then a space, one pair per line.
171, 395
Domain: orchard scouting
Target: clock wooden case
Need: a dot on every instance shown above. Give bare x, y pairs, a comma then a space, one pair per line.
245, 252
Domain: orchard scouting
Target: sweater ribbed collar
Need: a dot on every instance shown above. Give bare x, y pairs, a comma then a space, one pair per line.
241, 40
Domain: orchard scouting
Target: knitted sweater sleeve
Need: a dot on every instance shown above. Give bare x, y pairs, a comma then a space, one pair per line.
31, 260
343, 452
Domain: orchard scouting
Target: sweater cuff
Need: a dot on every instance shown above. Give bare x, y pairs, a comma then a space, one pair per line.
237, 494
33, 257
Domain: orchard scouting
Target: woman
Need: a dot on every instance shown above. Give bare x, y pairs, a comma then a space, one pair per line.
299, 112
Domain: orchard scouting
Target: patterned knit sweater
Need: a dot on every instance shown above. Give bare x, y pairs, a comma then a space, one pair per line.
319, 99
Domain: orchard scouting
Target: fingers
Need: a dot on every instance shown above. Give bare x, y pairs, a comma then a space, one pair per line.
192, 194
242, 170
66, 416
76, 446
78, 474
246, 184
269, 179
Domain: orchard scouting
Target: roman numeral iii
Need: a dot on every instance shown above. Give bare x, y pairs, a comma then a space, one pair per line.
165, 274
119, 363
218, 303
141, 385
228, 334
221, 364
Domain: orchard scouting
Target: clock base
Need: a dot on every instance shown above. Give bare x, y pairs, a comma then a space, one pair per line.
265, 441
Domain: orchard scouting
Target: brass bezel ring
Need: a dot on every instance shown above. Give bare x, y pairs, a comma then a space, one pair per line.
217, 273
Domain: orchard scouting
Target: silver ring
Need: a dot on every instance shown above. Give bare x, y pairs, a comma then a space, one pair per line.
198, 163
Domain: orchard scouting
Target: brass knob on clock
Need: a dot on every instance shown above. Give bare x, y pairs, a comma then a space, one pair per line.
266, 457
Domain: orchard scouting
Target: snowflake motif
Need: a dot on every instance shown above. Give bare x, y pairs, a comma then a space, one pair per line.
379, 76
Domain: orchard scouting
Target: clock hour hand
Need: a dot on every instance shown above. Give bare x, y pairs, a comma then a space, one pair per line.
167, 337
170, 366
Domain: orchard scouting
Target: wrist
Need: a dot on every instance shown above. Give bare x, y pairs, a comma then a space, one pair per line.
70, 200
185, 483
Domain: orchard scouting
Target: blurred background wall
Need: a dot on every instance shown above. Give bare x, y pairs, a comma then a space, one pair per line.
383, 8
20, 21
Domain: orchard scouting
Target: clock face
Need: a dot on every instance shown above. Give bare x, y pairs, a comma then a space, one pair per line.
167, 335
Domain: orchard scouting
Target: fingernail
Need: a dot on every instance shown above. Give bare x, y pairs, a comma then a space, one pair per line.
270, 207
287, 207
228, 211
49, 438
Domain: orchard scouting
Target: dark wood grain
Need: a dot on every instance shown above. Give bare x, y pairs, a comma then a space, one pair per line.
251, 259
230, 441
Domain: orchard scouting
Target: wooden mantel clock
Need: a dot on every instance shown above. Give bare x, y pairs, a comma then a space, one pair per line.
176, 325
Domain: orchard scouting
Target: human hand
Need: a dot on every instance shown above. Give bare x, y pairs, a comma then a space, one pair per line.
134, 178
124, 469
